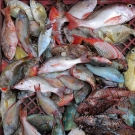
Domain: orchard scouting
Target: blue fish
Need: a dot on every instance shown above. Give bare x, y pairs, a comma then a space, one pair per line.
108, 73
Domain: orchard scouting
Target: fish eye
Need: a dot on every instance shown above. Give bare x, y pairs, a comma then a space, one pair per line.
129, 5
10, 93
133, 51
21, 82
36, 2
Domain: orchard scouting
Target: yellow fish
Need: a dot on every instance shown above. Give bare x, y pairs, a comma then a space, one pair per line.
130, 73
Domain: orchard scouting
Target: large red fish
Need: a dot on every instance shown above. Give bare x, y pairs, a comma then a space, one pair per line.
9, 38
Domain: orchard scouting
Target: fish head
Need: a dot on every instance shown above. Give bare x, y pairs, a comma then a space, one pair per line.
8, 95
22, 85
35, 5
127, 11
131, 54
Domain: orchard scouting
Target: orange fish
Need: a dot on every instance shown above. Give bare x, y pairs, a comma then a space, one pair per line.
9, 38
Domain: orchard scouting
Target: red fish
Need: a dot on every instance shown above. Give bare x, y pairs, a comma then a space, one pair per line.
9, 38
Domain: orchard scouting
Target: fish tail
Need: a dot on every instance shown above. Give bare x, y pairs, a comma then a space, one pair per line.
85, 58
6, 11
60, 91
73, 21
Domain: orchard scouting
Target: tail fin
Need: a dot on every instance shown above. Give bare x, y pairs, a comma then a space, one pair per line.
73, 21
85, 58
5, 11
37, 88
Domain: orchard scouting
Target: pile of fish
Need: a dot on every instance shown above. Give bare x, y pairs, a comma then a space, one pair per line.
68, 59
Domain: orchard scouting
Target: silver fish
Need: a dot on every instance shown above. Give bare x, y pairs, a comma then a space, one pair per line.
44, 41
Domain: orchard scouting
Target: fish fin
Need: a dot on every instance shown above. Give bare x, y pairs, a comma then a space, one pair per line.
73, 21
54, 13
60, 92
55, 65
113, 19
37, 88
85, 58
86, 15
6, 10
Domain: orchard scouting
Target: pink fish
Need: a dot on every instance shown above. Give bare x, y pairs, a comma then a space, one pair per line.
106, 16
61, 63
9, 38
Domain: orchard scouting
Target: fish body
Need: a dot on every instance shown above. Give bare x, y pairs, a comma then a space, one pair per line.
14, 71
110, 15
107, 73
44, 41
16, 5
11, 119
68, 118
8, 98
61, 63
28, 129
34, 29
23, 32
71, 82
39, 13
114, 34
19, 131
129, 75
9, 38
42, 123
47, 104
29, 82
82, 73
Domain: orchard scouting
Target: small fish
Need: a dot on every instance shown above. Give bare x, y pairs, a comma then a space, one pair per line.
8, 98
81, 94
107, 73
112, 14
47, 104
71, 82
23, 32
14, 71
39, 13
82, 73
68, 118
11, 118
113, 34
76, 131
42, 123
61, 63
20, 53
28, 129
29, 82
34, 29
9, 38
129, 75
16, 5
44, 40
